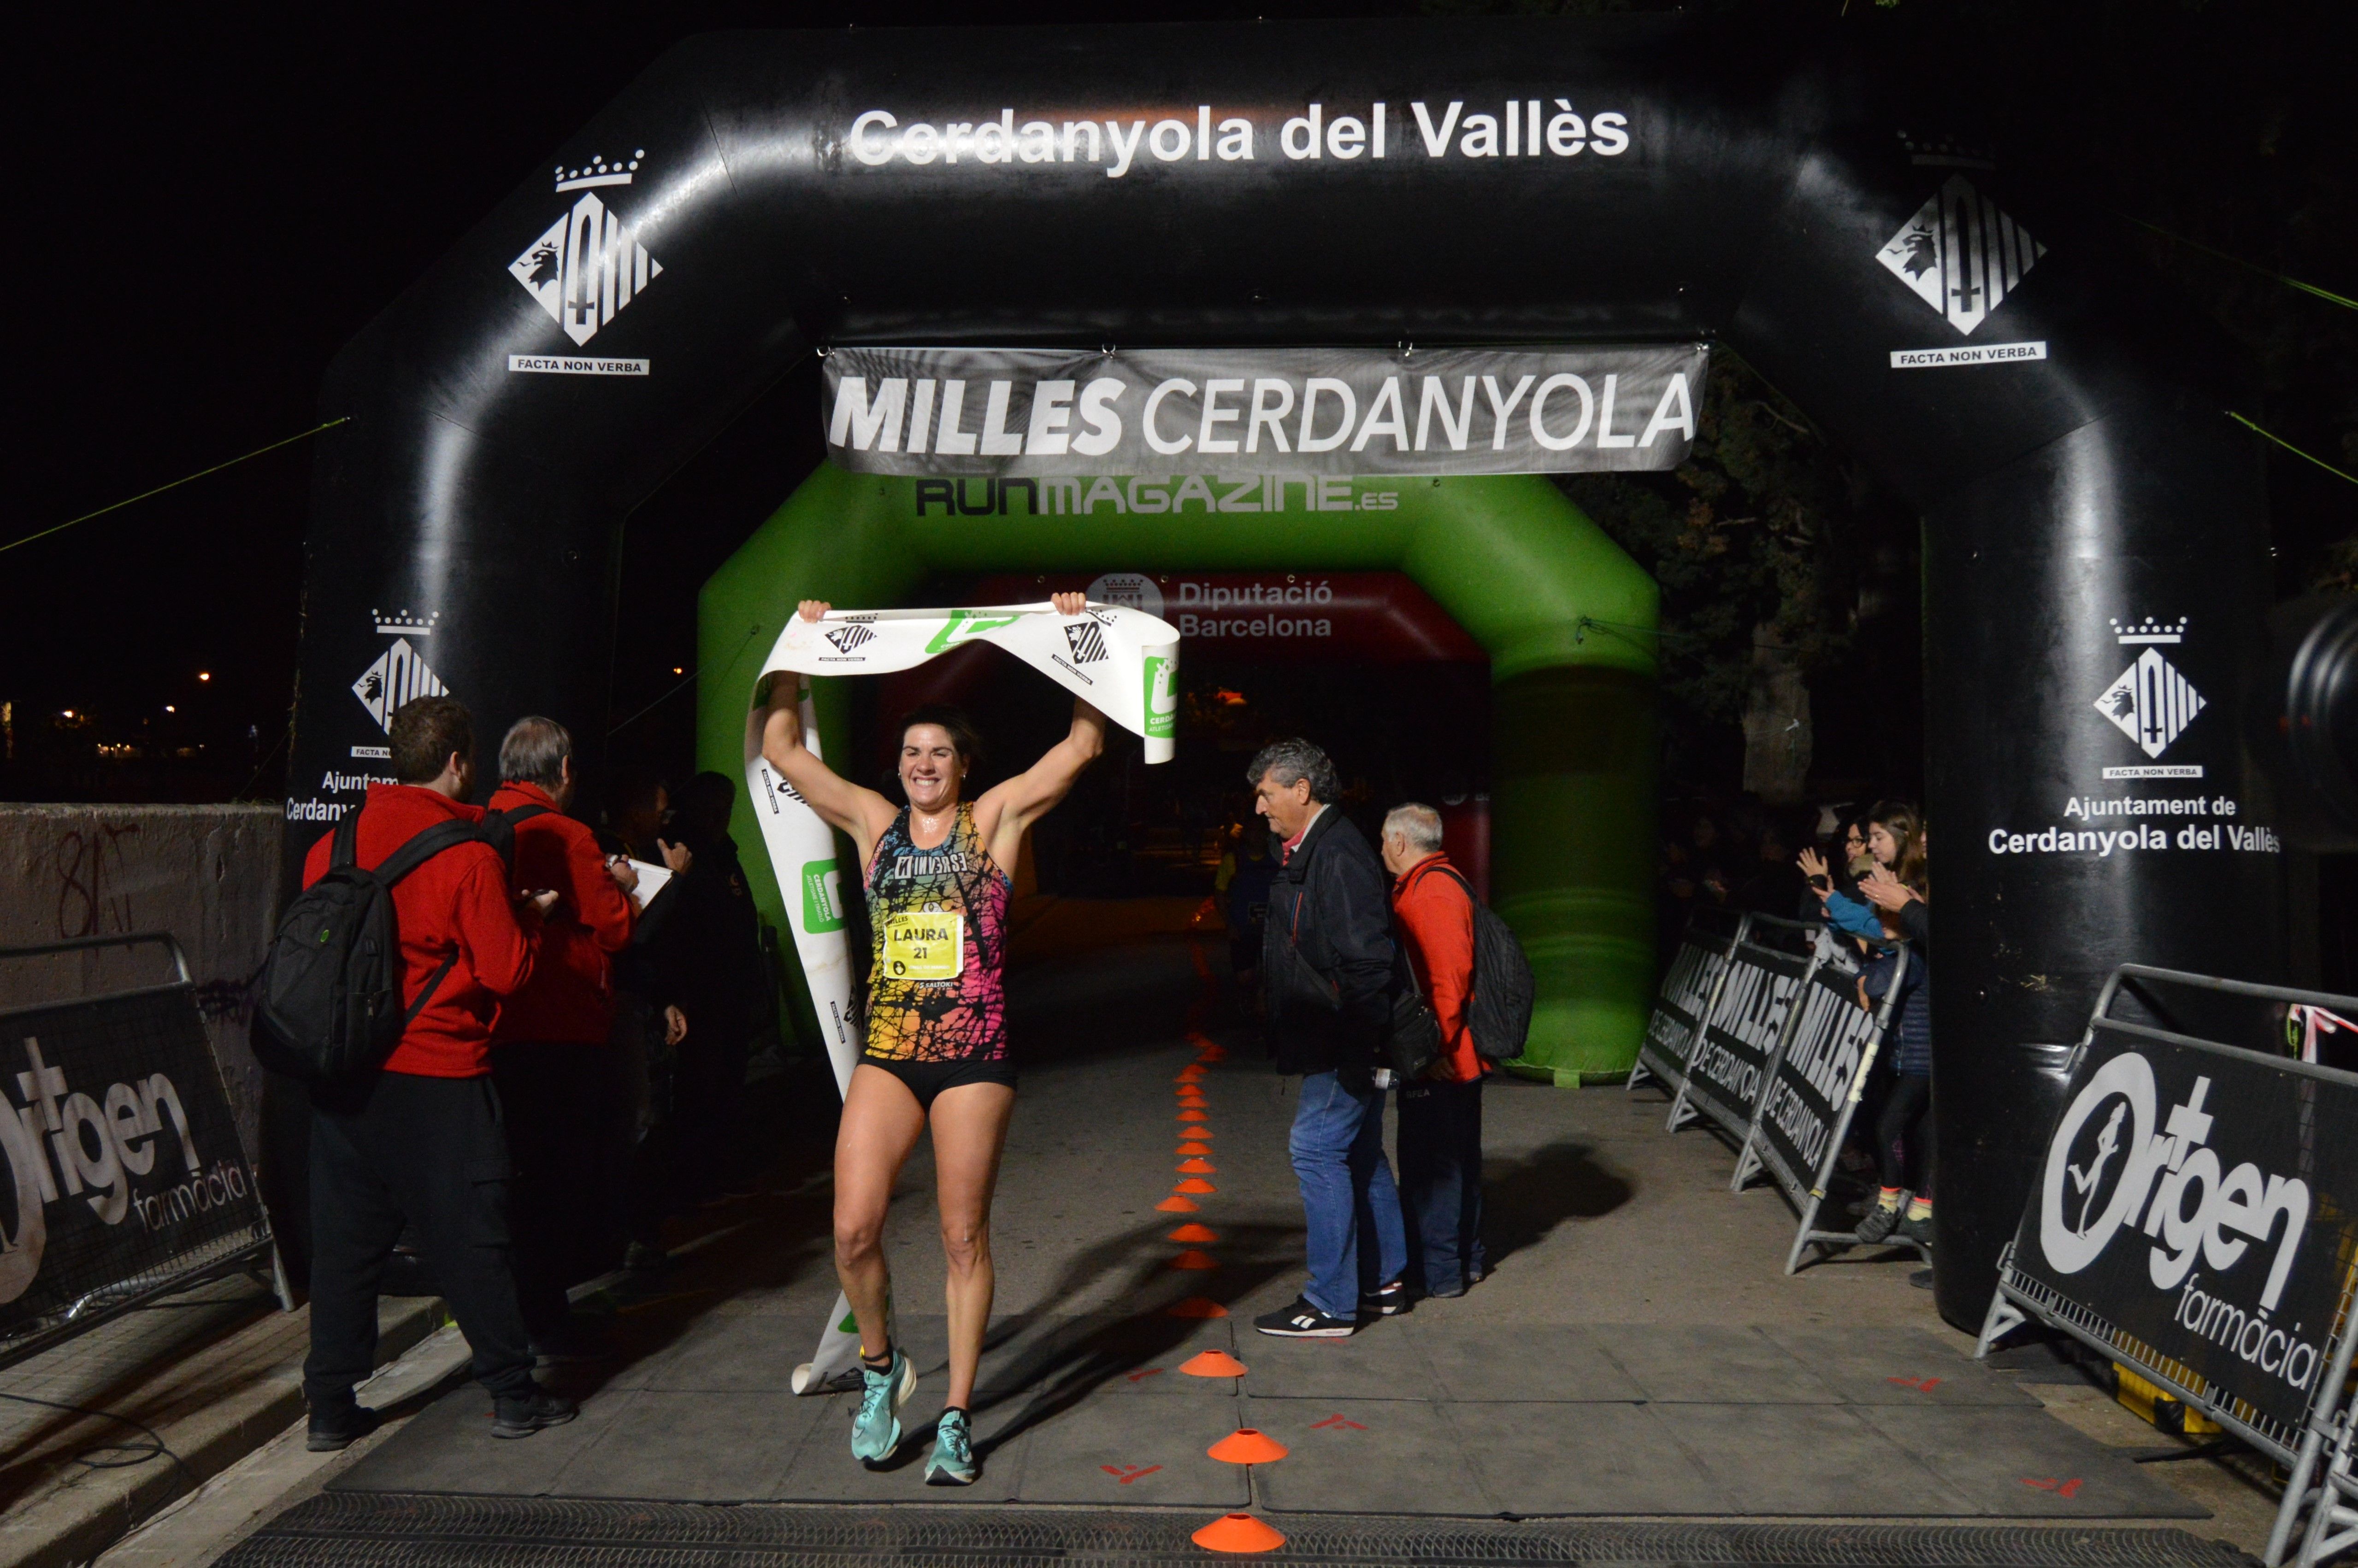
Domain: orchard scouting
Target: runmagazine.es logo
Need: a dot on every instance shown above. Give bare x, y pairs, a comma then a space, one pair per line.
1088, 640
847, 638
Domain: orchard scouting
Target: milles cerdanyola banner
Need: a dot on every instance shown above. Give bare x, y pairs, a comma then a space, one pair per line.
1123, 661
1060, 413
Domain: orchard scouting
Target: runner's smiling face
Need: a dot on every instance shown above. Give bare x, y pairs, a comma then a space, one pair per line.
931, 768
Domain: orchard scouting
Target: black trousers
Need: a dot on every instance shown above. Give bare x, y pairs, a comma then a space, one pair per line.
1440, 1182
400, 1149
1903, 1135
559, 1099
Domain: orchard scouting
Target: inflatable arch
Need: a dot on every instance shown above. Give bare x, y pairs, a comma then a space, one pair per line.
2094, 558
1550, 599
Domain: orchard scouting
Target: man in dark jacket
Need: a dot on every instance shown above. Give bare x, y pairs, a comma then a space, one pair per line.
1326, 968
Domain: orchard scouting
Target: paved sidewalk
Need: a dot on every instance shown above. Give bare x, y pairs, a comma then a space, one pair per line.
213, 1373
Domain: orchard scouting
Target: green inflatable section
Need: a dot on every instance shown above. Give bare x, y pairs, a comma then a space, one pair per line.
1563, 613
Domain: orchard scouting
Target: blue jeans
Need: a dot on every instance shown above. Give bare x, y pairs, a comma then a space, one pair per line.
1347, 1191
1441, 1180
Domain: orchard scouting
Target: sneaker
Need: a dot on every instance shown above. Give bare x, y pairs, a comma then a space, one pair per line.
523, 1416
333, 1430
952, 1464
1304, 1321
1917, 1229
1877, 1225
876, 1430
1389, 1302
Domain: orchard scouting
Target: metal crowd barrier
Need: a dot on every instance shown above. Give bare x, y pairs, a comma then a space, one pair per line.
129, 1181
2092, 1272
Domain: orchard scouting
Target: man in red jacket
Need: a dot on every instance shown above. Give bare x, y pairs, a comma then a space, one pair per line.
552, 1051
1440, 1113
420, 1141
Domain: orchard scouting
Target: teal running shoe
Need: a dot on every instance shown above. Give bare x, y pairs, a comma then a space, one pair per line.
952, 1464
876, 1430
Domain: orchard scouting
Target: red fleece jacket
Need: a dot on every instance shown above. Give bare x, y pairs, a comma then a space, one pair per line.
457, 899
1435, 919
570, 999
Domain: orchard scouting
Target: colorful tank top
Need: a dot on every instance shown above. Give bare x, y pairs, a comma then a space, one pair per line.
937, 922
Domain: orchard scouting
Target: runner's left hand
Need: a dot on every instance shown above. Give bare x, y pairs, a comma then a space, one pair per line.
1069, 603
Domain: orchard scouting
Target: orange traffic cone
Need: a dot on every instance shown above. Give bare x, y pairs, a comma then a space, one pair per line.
1196, 1133
1246, 1446
1213, 1363
1190, 1147
1237, 1532
1193, 1259
1174, 1204
1195, 1102
1196, 1168
1192, 1114
1211, 1053
1192, 1234
1196, 1185
1192, 1073
1195, 1306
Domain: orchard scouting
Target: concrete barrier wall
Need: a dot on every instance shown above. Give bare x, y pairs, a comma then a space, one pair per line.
208, 874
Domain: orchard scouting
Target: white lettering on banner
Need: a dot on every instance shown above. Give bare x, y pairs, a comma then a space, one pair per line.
1753, 1008
1968, 354
877, 138
2104, 843
62, 1144
2169, 1186
1152, 412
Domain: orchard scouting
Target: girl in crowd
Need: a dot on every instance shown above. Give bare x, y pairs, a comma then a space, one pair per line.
1899, 886
937, 879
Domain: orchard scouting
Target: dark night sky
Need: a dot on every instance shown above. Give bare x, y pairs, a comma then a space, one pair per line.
209, 203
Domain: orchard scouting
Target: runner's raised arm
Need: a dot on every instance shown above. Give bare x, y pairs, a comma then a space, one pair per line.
1006, 811
841, 803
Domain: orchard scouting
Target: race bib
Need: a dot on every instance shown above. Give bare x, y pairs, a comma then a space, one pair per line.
927, 947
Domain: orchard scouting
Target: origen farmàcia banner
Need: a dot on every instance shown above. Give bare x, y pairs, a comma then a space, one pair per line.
1274, 411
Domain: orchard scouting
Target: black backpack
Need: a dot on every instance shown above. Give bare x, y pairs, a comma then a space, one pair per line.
498, 829
1499, 1011
331, 1003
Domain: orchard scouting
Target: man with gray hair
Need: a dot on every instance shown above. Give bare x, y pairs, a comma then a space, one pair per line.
1326, 966
1441, 1110
552, 1054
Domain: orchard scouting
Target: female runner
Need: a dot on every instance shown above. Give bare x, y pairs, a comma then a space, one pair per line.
936, 1046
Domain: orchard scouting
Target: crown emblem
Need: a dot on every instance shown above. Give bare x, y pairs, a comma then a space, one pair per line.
598, 171
2152, 629
406, 624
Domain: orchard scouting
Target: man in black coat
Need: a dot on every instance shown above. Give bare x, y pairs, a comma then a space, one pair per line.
1326, 971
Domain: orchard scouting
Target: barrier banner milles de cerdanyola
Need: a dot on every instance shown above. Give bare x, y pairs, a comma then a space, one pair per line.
1686, 995
125, 1170
1279, 413
1727, 1071
1815, 1091
2196, 1218
1122, 661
